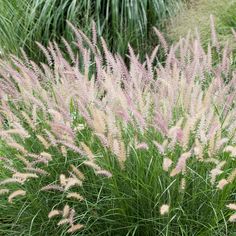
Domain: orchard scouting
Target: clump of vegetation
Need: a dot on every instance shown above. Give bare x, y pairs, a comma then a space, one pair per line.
119, 22
196, 16
147, 149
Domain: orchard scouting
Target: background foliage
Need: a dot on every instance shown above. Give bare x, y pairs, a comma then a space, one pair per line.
197, 16
119, 21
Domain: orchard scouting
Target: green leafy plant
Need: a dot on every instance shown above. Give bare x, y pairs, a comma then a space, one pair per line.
119, 22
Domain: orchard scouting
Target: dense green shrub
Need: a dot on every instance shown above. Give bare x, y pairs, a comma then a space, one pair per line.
22, 22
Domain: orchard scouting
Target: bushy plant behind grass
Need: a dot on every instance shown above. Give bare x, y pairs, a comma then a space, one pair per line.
119, 22
144, 150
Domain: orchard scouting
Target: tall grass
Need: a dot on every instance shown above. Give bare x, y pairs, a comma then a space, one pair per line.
137, 150
24, 22
119, 22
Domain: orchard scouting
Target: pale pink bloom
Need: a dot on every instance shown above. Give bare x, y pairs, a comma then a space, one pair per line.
71, 182
52, 187
63, 180
159, 146
167, 162
232, 218
176, 133
214, 173
46, 155
124, 115
183, 184
63, 221
181, 164
66, 211
93, 165
222, 142
75, 195
196, 151
4, 191
16, 194
222, 183
164, 209
213, 33
179, 135
161, 124
24, 176
37, 170
231, 149
54, 213
75, 228
142, 146
43, 141
232, 206
77, 172
11, 180
72, 147
104, 173
18, 147
87, 151
232, 176
162, 40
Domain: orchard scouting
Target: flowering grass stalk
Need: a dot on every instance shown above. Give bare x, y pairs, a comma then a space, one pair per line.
138, 150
